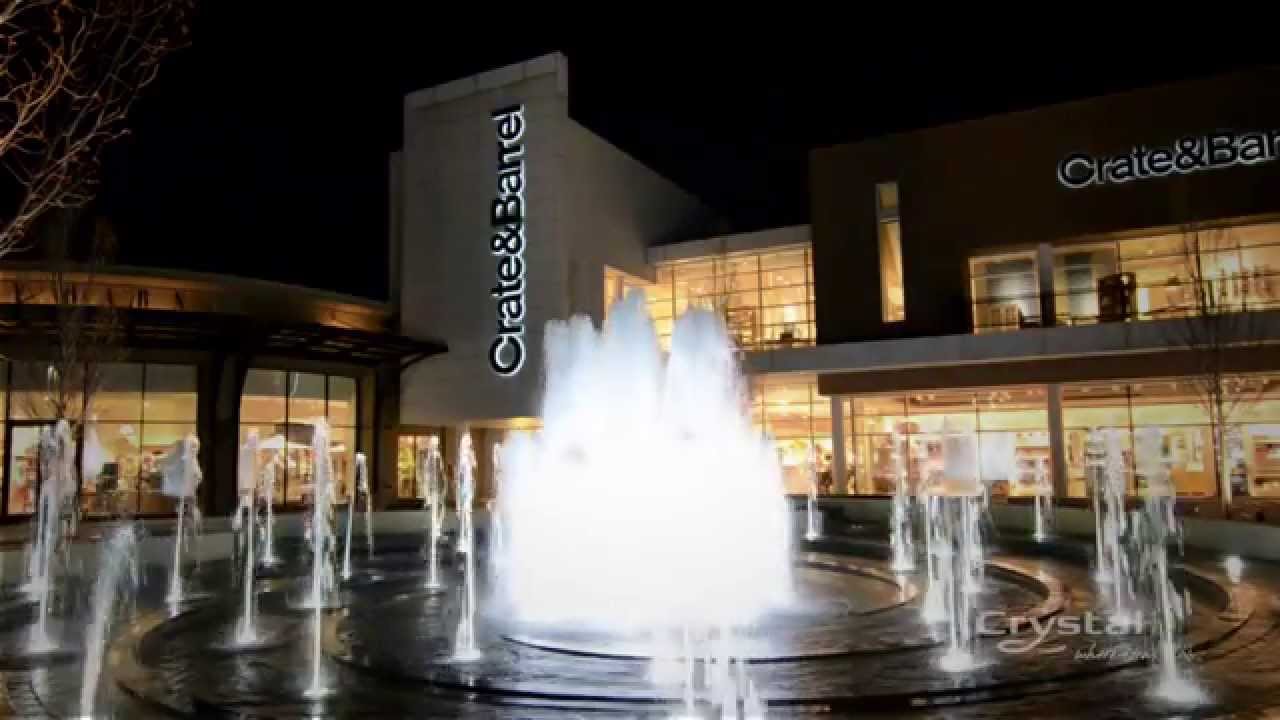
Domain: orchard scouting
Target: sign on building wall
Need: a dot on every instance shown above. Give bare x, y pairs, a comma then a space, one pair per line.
1186, 155
506, 242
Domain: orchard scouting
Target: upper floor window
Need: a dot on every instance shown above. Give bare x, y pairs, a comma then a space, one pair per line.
1176, 274
765, 297
893, 306
1005, 290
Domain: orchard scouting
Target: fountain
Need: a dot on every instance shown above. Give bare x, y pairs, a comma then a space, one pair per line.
246, 632
57, 463
465, 648
497, 526
953, 506
269, 472
181, 472
1154, 527
1043, 499
321, 534
431, 467
1108, 476
901, 535
360, 484
813, 521
703, 539
117, 578
365, 486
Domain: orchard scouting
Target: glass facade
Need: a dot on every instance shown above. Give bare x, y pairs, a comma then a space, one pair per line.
1168, 275
282, 406
790, 410
1005, 290
766, 298
136, 413
1012, 426
408, 447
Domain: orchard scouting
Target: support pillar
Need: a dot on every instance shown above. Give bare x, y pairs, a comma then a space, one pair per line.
839, 462
1057, 440
1044, 267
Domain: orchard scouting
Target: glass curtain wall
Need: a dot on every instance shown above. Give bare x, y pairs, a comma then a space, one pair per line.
408, 447
1155, 276
1012, 426
136, 414
282, 406
791, 411
766, 298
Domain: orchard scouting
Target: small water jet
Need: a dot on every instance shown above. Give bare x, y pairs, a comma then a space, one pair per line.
1108, 476
181, 473
116, 585
901, 535
321, 536
1154, 528
465, 648
813, 520
366, 488
431, 466
1043, 505
361, 483
246, 632
270, 472
954, 501
57, 463
497, 524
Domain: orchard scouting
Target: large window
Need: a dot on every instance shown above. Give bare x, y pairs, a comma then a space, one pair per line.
765, 298
409, 449
1012, 426
135, 414
790, 410
893, 306
1168, 275
1006, 291
283, 406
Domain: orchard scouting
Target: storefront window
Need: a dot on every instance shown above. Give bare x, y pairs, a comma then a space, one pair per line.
791, 411
1011, 425
1169, 275
409, 449
137, 414
1006, 291
282, 406
765, 298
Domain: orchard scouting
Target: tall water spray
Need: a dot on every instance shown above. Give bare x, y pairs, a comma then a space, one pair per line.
953, 507
1154, 528
431, 466
117, 581
365, 486
647, 500
321, 534
269, 472
249, 474
1043, 508
464, 647
180, 469
1109, 475
813, 520
57, 485
351, 519
901, 534
497, 524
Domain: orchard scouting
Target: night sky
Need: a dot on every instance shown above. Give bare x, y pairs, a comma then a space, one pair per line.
261, 150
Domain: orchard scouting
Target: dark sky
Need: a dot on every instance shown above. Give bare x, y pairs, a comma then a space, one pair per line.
261, 149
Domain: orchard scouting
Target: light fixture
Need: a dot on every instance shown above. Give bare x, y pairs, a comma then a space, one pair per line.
1234, 567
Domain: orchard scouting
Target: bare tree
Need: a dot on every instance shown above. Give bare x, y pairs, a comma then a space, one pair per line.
1218, 321
69, 73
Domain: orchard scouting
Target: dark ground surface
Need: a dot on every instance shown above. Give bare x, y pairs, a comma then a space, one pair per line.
858, 649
